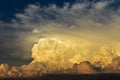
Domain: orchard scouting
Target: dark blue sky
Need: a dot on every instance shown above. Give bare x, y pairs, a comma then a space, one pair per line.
8, 8
9, 35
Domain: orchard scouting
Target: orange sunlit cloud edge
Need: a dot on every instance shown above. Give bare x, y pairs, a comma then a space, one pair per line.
77, 43
52, 56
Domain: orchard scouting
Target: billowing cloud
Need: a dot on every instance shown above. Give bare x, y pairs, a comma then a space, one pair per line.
3, 70
84, 33
85, 68
86, 23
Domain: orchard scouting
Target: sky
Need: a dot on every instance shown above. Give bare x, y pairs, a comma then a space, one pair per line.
42, 36
8, 9
23, 23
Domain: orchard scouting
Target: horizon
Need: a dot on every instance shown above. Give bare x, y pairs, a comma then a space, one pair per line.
59, 36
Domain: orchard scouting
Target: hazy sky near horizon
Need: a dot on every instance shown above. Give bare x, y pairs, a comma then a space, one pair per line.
22, 23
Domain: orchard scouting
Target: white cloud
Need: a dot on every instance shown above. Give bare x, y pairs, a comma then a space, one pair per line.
82, 20
89, 27
100, 5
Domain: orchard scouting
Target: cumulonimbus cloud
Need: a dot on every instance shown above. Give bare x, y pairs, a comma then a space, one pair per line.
90, 29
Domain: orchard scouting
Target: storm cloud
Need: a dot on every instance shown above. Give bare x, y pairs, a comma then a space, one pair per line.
90, 28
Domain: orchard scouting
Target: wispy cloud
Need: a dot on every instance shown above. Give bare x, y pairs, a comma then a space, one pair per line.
92, 26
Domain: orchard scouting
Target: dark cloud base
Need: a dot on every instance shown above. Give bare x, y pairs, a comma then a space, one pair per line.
92, 26
111, 76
